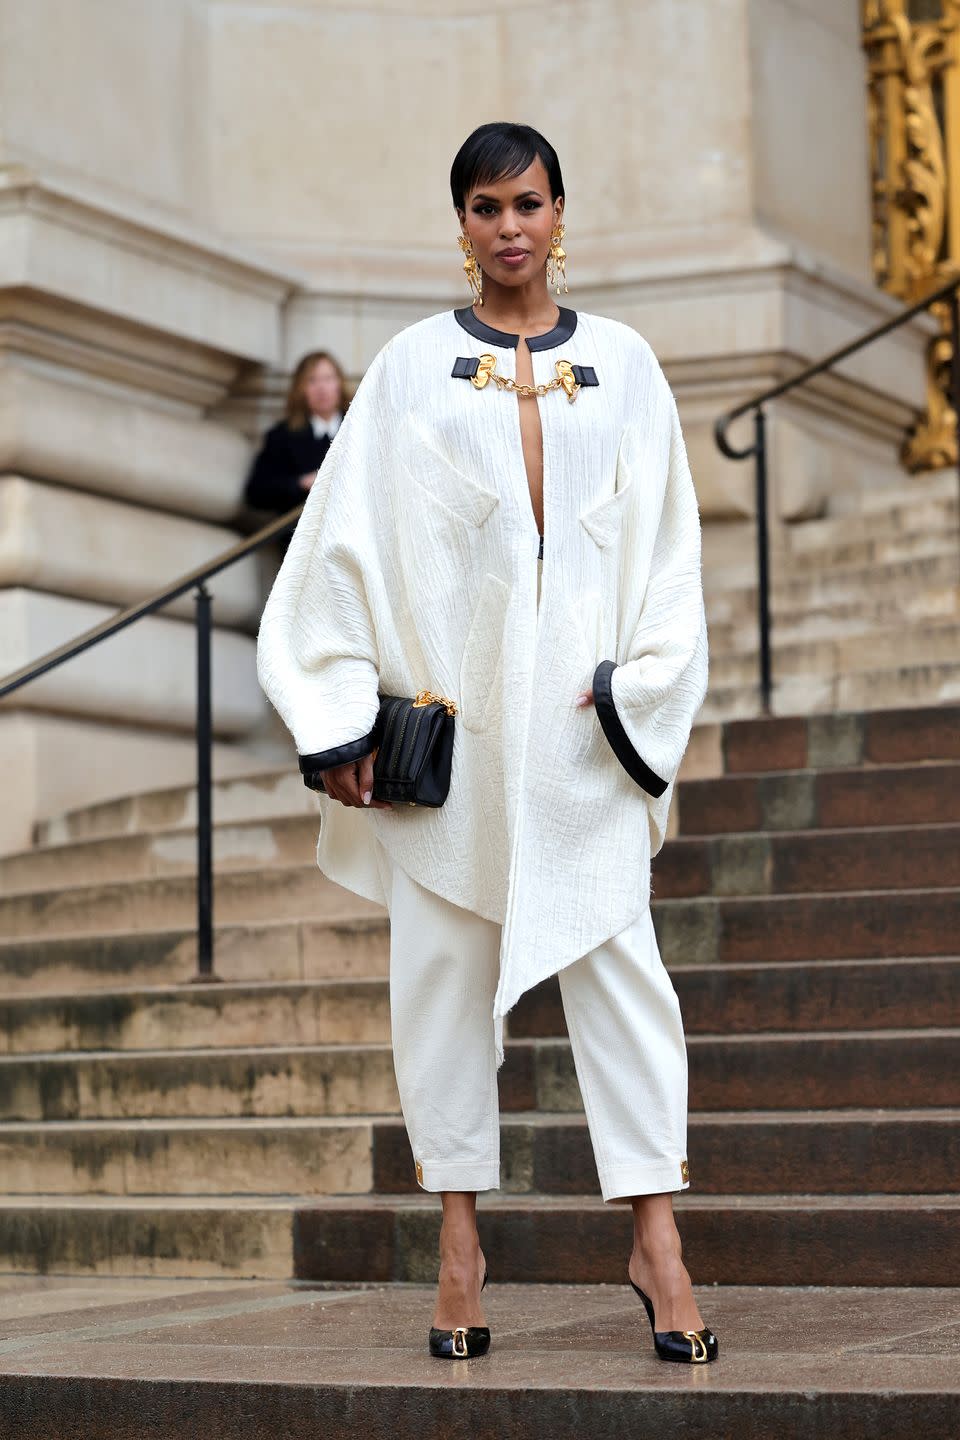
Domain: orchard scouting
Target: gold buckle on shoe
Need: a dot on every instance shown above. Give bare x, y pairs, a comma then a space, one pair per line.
696, 1339
462, 1331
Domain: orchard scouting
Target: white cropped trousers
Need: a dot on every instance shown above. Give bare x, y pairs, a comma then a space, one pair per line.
626, 1036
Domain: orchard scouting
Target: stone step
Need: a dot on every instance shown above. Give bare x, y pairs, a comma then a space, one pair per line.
268, 844
885, 614
303, 892
253, 797
298, 1359
774, 1070
891, 552
834, 799
290, 843
915, 489
928, 515
320, 1156
750, 1153
733, 596
710, 930
843, 926
299, 892
751, 999
859, 549
558, 1240
867, 738
755, 1152
907, 646
170, 1235
898, 857
310, 950
725, 998
271, 1012
763, 1240
892, 688
924, 684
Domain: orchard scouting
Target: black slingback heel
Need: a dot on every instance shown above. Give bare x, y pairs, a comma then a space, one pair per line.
462, 1341
696, 1347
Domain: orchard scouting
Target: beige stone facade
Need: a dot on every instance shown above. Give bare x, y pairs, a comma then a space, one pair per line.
194, 192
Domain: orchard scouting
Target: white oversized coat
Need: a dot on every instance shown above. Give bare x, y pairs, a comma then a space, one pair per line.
413, 566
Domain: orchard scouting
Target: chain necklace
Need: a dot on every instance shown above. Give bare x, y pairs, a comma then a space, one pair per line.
565, 377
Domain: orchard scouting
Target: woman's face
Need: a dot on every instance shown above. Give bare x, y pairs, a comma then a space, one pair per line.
322, 389
512, 214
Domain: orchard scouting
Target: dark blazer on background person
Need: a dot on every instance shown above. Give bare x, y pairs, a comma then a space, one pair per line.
285, 455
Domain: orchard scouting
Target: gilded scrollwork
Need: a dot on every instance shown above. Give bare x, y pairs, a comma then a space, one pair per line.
913, 118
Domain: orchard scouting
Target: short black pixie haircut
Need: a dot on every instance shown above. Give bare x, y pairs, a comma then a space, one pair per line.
496, 151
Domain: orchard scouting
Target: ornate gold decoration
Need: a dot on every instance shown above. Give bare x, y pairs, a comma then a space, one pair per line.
557, 259
488, 364
427, 697
565, 378
461, 1347
684, 1171
471, 266
913, 114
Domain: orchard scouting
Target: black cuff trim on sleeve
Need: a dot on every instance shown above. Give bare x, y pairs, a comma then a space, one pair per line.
612, 727
311, 765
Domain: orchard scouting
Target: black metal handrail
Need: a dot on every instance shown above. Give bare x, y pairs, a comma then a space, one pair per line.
193, 580
759, 446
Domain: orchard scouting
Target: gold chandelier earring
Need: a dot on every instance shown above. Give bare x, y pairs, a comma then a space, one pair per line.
471, 267
556, 260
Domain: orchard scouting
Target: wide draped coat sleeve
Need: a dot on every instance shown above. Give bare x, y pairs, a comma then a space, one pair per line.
413, 566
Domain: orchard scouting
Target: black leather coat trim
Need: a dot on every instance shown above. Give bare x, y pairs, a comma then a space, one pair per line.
311, 765
480, 330
636, 768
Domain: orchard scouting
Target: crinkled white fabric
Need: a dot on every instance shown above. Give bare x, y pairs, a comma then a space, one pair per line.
626, 1035
414, 566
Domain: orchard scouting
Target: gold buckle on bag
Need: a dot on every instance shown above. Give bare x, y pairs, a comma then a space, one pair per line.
427, 697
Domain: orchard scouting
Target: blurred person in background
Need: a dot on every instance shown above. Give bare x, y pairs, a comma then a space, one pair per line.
293, 449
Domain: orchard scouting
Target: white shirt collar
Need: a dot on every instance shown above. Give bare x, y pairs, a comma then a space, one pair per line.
326, 427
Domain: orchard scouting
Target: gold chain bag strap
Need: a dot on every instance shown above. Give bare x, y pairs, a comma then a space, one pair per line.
414, 740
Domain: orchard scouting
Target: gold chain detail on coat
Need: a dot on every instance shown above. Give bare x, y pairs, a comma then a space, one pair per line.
565, 377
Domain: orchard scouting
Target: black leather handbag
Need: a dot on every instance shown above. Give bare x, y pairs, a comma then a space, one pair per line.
414, 739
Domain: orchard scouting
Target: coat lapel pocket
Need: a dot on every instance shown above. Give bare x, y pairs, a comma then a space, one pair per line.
602, 519
441, 482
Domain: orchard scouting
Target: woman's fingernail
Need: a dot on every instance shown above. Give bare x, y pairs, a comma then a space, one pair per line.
366, 796
581, 700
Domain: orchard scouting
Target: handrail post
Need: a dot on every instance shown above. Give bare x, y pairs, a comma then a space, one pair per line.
204, 789
763, 557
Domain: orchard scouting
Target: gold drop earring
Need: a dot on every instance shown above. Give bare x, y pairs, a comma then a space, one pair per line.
471, 266
557, 259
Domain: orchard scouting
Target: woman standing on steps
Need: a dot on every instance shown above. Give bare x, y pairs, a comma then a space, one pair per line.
528, 549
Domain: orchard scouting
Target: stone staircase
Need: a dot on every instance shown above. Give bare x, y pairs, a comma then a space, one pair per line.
865, 608
809, 912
